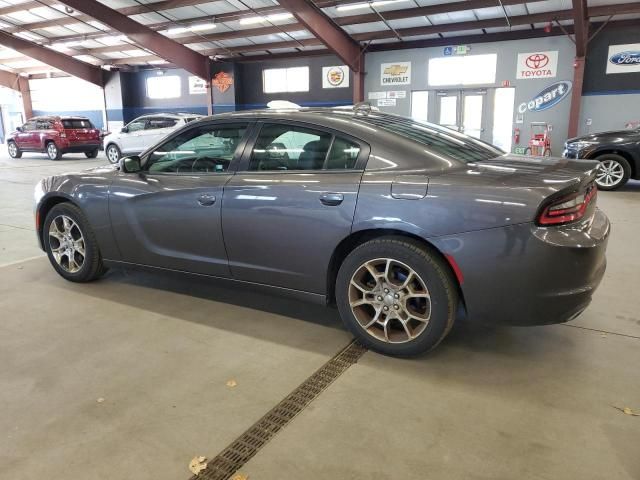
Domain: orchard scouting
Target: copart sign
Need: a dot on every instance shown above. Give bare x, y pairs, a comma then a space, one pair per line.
547, 98
395, 73
537, 65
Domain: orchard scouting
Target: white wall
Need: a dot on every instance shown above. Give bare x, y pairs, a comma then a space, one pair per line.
12, 111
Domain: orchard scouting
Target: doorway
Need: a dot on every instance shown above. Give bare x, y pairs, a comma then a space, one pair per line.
464, 111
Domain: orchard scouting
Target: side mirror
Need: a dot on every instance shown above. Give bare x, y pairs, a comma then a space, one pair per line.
124, 130
19, 129
130, 164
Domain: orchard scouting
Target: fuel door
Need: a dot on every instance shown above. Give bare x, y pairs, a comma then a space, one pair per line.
409, 187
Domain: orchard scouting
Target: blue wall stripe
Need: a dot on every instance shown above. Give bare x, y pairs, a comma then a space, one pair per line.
611, 92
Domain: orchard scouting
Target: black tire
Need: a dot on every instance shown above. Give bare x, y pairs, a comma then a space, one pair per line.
92, 266
113, 153
619, 163
52, 150
14, 151
91, 154
431, 269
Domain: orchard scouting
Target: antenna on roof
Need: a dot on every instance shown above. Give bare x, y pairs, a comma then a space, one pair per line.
364, 108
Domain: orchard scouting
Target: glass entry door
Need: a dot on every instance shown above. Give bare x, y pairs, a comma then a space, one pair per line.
462, 110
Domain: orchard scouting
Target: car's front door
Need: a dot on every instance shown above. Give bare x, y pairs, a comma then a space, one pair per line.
169, 214
130, 137
291, 202
26, 138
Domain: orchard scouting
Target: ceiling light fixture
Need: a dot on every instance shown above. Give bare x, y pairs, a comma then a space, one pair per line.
202, 26
377, 3
269, 18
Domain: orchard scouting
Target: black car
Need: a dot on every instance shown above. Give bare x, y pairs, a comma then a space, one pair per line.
618, 153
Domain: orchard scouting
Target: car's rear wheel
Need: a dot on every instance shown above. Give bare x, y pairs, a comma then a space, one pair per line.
14, 151
91, 154
614, 171
71, 244
113, 153
396, 297
53, 152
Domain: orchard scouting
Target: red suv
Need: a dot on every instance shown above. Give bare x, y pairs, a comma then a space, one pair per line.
55, 136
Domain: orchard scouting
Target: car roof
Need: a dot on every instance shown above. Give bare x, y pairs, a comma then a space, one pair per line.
169, 114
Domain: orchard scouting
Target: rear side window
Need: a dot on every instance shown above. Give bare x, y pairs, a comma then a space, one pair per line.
288, 147
76, 123
161, 122
439, 140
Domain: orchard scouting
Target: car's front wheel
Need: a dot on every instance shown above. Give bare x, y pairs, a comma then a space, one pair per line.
113, 153
71, 245
614, 171
14, 151
397, 297
53, 152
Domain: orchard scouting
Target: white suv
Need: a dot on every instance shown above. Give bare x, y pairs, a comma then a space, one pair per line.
142, 133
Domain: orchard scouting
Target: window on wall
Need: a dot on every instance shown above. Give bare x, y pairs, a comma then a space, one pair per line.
463, 70
503, 118
419, 105
162, 87
278, 80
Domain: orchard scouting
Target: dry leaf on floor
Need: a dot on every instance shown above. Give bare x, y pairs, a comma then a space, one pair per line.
627, 411
197, 464
100, 400
239, 476
231, 383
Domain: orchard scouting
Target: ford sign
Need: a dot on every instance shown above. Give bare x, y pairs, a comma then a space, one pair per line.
547, 98
625, 59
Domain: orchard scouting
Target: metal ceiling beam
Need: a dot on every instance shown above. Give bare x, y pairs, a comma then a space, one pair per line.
55, 59
168, 49
331, 35
20, 84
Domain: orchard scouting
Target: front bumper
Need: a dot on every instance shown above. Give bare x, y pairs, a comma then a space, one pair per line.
529, 275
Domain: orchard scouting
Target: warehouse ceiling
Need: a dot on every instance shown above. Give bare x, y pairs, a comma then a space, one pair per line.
245, 29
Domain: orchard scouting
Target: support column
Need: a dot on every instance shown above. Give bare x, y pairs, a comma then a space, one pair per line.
23, 87
358, 87
576, 97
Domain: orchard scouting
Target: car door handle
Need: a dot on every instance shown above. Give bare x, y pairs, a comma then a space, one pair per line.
331, 199
206, 199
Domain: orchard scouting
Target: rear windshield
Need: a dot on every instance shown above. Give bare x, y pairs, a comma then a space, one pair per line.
440, 140
76, 123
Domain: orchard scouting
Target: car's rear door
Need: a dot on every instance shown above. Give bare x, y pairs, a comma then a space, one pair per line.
157, 128
169, 215
290, 204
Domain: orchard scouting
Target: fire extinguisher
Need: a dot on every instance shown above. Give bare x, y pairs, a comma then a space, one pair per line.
516, 135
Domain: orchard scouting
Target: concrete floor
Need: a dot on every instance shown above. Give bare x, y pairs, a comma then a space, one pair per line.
506, 403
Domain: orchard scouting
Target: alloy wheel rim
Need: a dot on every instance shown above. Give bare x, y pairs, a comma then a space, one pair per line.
67, 243
610, 173
12, 149
390, 300
52, 150
112, 154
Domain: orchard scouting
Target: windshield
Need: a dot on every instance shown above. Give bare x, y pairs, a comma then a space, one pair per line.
439, 140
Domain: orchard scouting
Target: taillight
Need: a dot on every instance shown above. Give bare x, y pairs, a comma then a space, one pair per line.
568, 209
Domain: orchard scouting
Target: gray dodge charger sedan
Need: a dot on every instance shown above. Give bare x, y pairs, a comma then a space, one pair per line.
397, 222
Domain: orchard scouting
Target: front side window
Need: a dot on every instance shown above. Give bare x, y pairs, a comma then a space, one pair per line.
136, 125
204, 149
282, 147
29, 126
43, 125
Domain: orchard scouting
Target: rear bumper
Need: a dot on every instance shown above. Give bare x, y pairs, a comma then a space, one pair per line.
529, 275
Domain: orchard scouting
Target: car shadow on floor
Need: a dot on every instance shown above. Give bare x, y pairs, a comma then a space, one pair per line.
244, 311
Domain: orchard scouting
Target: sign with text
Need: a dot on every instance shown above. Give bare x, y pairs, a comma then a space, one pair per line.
397, 94
335, 77
624, 58
387, 102
197, 86
395, 73
537, 65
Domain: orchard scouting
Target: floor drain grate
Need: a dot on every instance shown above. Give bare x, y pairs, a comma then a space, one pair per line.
232, 458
